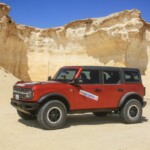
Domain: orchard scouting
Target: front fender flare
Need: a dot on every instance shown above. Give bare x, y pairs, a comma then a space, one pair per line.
60, 97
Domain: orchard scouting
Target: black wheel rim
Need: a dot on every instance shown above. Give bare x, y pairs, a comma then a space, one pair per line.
54, 115
133, 111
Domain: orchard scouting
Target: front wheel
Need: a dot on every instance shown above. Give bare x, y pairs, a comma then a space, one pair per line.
132, 111
52, 115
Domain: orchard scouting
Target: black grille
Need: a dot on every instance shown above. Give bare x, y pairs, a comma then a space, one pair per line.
20, 91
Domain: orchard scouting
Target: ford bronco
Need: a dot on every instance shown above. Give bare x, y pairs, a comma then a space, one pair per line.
81, 89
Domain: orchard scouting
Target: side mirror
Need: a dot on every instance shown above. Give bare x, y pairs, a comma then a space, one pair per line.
49, 78
76, 81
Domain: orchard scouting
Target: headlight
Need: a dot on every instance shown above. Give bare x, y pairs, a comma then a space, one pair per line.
29, 94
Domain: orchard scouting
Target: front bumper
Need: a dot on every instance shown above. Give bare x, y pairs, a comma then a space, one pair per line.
26, 107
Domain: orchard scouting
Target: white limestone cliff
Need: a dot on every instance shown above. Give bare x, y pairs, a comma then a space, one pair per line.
121, 39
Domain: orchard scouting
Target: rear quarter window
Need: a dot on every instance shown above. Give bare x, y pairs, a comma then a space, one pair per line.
132, 76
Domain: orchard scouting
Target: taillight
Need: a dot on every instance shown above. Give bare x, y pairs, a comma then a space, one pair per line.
144, 91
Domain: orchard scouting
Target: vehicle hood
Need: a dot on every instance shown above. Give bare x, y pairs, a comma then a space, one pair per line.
31, 84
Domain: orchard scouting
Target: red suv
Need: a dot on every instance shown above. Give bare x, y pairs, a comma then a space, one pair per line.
74, 89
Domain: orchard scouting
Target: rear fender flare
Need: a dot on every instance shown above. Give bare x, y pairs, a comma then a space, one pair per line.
129, 95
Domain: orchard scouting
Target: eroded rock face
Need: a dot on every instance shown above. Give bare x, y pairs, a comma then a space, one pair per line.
121, 39
4, 10
13, 50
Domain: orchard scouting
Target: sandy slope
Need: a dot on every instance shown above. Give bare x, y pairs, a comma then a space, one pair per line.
81, 132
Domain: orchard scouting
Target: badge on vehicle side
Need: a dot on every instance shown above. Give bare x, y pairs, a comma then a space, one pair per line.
89, 95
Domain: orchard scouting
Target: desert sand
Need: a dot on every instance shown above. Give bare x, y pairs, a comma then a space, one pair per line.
81, 131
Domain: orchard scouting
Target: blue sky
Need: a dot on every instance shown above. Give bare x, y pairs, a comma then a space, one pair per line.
53, 13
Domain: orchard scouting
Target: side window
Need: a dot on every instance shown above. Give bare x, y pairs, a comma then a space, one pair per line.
111, 77
89, 77
131, 76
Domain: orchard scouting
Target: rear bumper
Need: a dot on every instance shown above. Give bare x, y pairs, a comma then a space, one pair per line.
26, 107
144, 103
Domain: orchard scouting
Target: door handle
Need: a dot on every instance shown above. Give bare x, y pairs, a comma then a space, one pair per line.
97, 90
120, 90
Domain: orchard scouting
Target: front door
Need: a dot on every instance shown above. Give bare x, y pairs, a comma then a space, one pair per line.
89, 91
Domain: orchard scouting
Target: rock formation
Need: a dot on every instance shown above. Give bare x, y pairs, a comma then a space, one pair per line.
121, 39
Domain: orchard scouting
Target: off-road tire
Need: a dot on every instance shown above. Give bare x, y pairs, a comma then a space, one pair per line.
100, 114
25, 116
131, 112
52, 115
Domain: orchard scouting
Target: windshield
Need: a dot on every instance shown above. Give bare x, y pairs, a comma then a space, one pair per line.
65, 75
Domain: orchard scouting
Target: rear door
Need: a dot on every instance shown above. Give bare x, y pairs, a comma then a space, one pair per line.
112, 89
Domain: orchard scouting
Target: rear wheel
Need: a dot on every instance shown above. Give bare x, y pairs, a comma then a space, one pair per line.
52, 115
25, 116
100, 114
132, 111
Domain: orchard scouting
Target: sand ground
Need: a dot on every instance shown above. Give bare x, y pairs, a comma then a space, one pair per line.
81, 131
